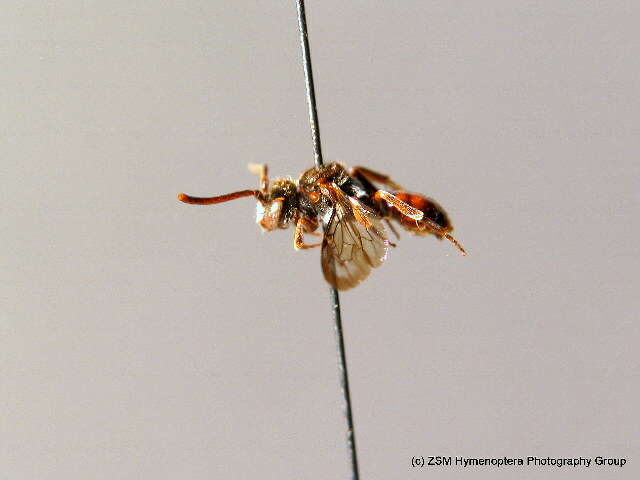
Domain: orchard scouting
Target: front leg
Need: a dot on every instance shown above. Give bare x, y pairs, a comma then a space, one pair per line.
303, 226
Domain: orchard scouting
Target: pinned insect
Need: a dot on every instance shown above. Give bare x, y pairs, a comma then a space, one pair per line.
352, 210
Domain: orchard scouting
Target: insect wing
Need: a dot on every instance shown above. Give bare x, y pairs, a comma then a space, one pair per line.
354, 242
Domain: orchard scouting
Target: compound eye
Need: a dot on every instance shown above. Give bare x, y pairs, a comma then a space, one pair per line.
314, 197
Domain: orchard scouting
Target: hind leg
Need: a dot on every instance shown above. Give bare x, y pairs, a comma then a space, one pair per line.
404, 208
374, 176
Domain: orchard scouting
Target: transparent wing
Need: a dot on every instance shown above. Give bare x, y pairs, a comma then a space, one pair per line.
354, 241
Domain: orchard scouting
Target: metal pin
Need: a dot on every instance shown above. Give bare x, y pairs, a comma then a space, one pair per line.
335, 298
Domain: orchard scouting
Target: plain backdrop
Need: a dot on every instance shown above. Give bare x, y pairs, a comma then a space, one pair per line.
145, 338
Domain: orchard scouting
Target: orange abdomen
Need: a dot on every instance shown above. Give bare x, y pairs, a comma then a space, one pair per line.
435, 219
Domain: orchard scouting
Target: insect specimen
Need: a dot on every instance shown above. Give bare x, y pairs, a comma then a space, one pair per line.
352, 209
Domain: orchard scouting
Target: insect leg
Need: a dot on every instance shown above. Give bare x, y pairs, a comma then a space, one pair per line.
432, 227
392, 228
262, 170
219, 199
422, 222
304, 226
455, 242
404, 208
374, 176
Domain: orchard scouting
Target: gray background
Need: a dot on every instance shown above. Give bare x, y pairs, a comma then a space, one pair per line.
145, 338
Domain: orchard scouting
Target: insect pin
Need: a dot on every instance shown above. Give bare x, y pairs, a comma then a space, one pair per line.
352, 209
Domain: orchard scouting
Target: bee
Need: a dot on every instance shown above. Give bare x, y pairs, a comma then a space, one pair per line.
352, 210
